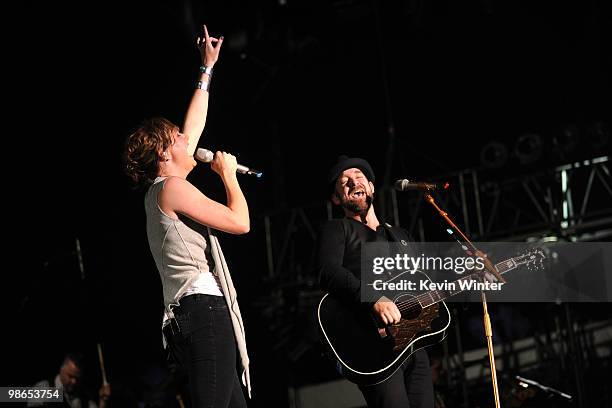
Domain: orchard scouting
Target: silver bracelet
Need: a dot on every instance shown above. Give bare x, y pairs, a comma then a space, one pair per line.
206, 70
203, 85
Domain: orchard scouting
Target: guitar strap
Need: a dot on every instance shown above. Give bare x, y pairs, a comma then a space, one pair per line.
400, 236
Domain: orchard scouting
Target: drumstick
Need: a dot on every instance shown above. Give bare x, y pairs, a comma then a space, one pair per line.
101, 358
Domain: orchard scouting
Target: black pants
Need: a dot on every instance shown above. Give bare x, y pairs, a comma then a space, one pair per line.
206, 347
410, 386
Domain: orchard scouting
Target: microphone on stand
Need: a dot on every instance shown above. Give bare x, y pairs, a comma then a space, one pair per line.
405, 185
206, 156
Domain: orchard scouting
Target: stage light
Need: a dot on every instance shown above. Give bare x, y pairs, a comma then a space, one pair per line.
598, 135
566, 142
494, 155
528, 148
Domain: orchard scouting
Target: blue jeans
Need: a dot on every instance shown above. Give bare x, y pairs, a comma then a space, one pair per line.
206, 347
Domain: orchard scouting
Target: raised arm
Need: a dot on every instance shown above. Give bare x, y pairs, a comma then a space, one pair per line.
195, 119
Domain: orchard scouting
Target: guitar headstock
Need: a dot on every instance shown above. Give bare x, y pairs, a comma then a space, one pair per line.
532, 259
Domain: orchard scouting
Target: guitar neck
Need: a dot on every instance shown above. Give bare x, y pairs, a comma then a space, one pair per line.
438, 295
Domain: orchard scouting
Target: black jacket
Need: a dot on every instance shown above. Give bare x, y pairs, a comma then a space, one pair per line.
339, 261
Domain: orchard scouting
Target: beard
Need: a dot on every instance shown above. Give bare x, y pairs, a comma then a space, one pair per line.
358, 207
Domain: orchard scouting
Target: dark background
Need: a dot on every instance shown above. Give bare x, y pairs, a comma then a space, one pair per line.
297, 84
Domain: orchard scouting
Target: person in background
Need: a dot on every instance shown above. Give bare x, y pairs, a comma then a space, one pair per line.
69, 379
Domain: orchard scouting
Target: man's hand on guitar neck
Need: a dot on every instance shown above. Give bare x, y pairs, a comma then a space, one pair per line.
387, 311
488, 277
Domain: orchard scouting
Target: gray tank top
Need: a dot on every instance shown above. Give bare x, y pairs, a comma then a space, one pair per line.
179, 247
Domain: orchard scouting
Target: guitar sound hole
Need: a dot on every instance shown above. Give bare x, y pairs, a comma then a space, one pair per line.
412, 312
409, 307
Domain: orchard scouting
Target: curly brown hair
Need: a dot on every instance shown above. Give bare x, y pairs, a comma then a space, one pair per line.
144, 149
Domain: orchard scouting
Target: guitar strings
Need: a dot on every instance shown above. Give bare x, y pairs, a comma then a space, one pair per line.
407, 305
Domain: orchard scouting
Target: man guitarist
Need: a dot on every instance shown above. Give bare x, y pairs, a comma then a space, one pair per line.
339, 264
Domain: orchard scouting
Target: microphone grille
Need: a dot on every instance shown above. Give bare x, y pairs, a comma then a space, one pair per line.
401, 184
204, 155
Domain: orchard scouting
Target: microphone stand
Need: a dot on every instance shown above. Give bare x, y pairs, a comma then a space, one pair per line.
491, 268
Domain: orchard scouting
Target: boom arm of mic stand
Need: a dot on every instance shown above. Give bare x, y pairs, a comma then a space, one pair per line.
487, 262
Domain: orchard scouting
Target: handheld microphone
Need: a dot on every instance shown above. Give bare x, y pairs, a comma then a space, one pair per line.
206, 156
405, 185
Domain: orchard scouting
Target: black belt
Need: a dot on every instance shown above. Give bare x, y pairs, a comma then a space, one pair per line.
192, 302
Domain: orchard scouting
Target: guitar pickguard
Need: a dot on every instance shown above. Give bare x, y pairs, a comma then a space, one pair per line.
405, 331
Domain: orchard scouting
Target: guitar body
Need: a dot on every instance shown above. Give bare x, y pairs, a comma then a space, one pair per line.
367, 354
